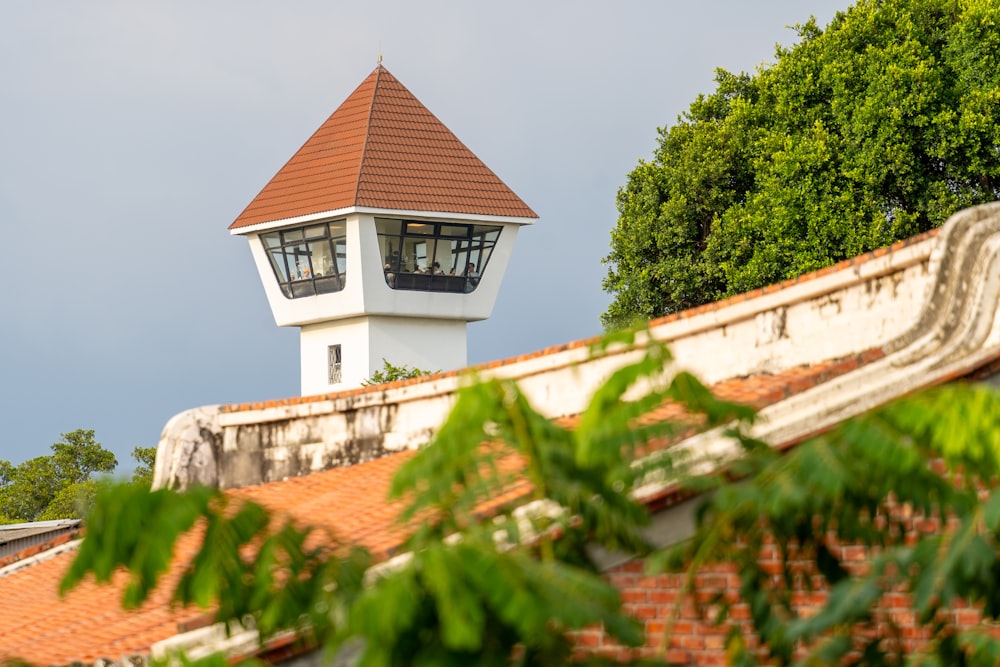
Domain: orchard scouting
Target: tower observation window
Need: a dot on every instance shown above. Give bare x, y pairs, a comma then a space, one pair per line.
434, 256
308, 260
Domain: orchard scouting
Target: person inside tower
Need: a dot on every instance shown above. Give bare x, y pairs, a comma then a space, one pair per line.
471, 277
436, 269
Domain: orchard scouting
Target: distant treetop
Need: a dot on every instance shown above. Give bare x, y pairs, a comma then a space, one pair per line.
62, 485
869, 131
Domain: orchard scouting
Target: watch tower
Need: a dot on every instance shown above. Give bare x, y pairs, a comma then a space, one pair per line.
381, 238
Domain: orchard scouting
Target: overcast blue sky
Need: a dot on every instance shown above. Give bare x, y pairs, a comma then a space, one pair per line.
132, 134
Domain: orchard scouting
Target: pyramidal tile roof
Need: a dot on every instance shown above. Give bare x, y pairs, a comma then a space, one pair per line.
382, 148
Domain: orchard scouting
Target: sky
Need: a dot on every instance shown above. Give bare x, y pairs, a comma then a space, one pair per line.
132, 134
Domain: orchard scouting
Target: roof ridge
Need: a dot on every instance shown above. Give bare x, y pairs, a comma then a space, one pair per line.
408, 161
368, 131
39, 554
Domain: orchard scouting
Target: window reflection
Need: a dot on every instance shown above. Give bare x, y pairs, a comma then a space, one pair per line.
434, 256
308, 260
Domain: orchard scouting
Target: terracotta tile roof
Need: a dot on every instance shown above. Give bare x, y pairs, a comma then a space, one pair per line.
382, 148
39, 627
89, 623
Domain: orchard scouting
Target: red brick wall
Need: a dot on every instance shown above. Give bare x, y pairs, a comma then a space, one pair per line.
696, 641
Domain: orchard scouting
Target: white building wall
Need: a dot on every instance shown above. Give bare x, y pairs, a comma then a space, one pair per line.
366, 291
426, 343
307, 310
370, 320
314, 343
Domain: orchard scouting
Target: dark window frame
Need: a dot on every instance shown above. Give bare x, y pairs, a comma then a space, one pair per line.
309, 259
474, 245
335, 364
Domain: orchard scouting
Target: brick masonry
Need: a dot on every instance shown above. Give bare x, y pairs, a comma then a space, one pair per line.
659, 602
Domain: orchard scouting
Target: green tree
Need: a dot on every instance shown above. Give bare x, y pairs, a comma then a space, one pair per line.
55, 486
391, 372
31, 488
873, 129
70, 502
146, 458
78, 456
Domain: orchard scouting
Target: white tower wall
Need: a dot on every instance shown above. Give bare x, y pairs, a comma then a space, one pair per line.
430, 344
370, 320
366, 292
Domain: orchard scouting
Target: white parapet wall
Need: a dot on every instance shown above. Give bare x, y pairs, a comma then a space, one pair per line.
894, 299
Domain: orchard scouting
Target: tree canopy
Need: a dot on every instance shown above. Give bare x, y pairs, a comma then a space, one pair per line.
146, 458
62, 484
869, 131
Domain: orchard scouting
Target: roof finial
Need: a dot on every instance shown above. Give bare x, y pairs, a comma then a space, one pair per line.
380, 52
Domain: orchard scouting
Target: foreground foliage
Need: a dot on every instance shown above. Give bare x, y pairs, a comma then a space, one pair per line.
869, 131
499, 583
913, 484
485, 582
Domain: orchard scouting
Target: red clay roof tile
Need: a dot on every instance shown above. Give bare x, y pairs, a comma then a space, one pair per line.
382, 148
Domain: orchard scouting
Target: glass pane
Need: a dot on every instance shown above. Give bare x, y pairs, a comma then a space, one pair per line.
306, 268
419, 228
486, 232
448, 255
471, 273
322, 259
483, 259
338, 229
303, 288
461, 231
388, 247
386, 226
340, 255
316, 231
298, 262
413, 258
434, 256
278, 264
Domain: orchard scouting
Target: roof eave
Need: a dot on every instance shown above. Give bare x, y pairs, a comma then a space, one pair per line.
258, 227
